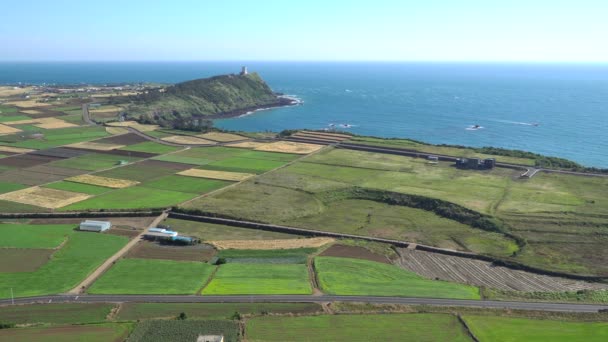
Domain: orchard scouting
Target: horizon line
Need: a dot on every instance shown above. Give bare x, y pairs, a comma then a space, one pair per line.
312, 61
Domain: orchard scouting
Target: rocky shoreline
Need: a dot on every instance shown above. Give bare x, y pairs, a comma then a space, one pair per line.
282, 101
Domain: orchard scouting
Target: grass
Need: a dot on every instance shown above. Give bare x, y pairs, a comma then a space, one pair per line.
344, 276
176, 158
55, 313
8, 187
488, 328
16, 235
210, 231
234, 279
152, 276
13, 118
71, 264
57, 137
187, 184
244, 165
277, 256
93, 161
151, 147
73, 333
137, 197
137, 172
14, 207
188, 330
390, 327
78, 187
135, 311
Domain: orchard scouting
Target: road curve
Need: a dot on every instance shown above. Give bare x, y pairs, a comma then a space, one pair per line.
558, 307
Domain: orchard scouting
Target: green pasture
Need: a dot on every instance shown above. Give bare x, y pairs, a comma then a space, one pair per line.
83, 253
493, 328
56, 313
6, 118
138, 172
73, 333
57, 137
9, 187
78, 187
388, 327
14, 207
16, 235
183, 330
7, 109
151, 147
345, 276
153, 276
93, 161
178, 158
276, 256
245, 165
136, 197
210, 231
234, 279
187, 184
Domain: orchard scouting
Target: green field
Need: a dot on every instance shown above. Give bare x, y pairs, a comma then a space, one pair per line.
71, 264
210, 231
189, 330
151, 147
187, 184
233, 279
93, 161
138, 172
135, 311
17, 235
344, 276
7, 118
152, 276
8, 187
245, 165
72, 313
71, 333
14, 207
7, 109
78, 187
55, 137
491, 328
277, 256
389, 327
137, 197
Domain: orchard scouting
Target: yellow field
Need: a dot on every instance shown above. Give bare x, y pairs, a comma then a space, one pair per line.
221, 137
15, 149
221, 175
28, 104
42, 197
116, 130
90, 145
4, 129
290, 147
107, 182
272, 244
187, 140
326, 134
31, 111
11, 91
46, 123
248, 144
105, 109
133, 124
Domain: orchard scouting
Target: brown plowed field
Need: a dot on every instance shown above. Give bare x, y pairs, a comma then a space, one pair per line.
28, 177
482, 273
152, 250
55, 170
123, 139
23, 259
127, 153
60, 152
354, 252
127, 232
26, 160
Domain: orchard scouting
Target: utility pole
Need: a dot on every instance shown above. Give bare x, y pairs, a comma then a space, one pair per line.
12, 297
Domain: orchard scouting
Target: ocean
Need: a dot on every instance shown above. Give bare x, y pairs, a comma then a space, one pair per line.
553, 109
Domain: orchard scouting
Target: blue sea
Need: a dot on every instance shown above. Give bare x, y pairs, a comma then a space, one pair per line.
553, 109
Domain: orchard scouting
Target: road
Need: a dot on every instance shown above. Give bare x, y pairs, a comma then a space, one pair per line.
558, 307
110, 261
85, 115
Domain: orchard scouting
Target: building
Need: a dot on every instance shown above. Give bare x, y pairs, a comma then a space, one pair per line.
159, 234
475, 163
95, 226
210, 338
244, 71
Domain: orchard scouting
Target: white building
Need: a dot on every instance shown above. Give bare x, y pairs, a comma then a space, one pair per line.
95, 226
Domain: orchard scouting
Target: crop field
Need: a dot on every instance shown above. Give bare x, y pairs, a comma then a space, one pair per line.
93, 161
355, 252
219, 175
142, 276
107, 182
16, 235
233, 279
82, 253
187, 140
483, 273
124, 138
136, 197
248, 144
151, 147
78, 187
14, 149
489, 328
272, 244
209, 231
144, 171
244, 165
390, 327
256, 256
133, 124
290, 147
44, 197
187, 184
4, 129
93, 145
188, 330
55, 313
9, 187
153, 250
221, 137
342, 276
23, 259
69, 333
14, 207
56, 137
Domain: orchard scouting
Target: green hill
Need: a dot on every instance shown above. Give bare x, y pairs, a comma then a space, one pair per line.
189, 104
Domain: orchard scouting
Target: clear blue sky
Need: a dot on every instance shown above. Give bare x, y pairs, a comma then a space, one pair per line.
418, 30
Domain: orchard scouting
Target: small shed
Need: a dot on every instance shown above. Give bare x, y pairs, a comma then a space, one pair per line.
95, 226
210, 338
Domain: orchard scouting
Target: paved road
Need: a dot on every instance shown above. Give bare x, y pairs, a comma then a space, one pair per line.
85, 115
560, 307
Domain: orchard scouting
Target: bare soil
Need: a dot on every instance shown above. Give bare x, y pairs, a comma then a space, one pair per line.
123, 139
355, 253
23, 259
60, 152
28, 177
26, 160
153, 250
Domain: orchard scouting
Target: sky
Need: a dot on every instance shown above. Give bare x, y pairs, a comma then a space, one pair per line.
305, 30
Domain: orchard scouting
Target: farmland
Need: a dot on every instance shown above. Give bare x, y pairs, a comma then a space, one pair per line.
34, 236
93, 161
93, 333
233, 278
278, 256
141, 276
361, 277
417, 327
522, 329
210, 231
56, 313
162, 330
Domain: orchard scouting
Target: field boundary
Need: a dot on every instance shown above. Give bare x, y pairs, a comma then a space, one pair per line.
466, 328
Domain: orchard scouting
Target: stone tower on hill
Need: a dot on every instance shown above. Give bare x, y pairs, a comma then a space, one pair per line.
244, 71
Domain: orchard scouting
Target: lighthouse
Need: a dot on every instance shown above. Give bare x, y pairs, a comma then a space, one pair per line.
244, 71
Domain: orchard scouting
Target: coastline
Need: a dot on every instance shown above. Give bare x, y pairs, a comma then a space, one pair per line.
283, 101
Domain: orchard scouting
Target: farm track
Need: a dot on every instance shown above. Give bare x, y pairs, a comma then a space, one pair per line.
483, 273
488, 304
